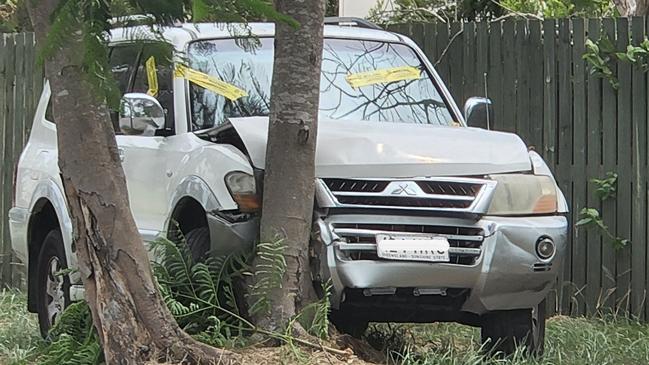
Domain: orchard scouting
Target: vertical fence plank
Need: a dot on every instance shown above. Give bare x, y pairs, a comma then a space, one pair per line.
468, 63
609, 146
442, 59
508, 122
639, 143
624, 143
429, 41
521, 83
30, 100
454, 58
594, 239
8, 159
4, 51
494, 73
536, 84
564, 152
549, 93
549, 118
579, 144
482, 57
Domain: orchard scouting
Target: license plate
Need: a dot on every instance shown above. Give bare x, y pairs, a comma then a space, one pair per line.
412, 248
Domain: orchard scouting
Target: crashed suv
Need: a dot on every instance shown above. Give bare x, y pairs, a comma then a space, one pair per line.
418, 216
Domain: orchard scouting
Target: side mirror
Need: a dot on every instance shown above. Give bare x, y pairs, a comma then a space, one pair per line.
478, 112
140, 115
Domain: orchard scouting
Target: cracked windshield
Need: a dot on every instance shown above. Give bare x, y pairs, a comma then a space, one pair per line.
360, 80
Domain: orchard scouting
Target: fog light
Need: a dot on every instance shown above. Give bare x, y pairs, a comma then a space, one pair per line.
545, 248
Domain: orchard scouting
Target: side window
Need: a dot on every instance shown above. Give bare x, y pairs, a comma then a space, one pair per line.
162, 56
123, 59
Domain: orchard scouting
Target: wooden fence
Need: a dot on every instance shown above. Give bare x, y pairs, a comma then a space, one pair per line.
541, 87
20, 87
534, 72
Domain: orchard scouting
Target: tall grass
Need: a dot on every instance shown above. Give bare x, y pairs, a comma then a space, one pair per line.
608, 340
19, 334
614, 340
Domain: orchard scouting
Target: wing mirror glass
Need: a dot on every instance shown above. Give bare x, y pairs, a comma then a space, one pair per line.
140, 115
478, 112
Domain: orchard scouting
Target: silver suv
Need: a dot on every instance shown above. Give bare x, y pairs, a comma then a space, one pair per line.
418, 216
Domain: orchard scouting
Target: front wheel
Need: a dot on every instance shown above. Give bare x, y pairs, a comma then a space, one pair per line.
504, 331
348, 324
53, 285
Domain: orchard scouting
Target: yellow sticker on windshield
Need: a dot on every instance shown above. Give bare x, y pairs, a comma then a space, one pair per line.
152, 77
210, 83
383, 76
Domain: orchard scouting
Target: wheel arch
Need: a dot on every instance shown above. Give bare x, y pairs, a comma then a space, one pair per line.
192, 200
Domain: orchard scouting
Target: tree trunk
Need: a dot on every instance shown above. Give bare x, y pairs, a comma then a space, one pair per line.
289, 180
632, 7
132, 320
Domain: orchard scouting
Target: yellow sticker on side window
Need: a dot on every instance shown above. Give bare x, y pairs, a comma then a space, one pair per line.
211, 83
383, 76
152, 76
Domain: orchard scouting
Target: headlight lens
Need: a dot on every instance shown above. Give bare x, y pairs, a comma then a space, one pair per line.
243, 191
519, 194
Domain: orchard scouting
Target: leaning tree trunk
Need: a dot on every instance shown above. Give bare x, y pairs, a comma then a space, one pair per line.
133, 323
289, 180
632, 7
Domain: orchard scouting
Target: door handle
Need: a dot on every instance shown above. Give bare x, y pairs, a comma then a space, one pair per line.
121, 153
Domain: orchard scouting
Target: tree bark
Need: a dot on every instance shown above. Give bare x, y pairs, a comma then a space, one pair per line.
289, 180
132, 320
632, 7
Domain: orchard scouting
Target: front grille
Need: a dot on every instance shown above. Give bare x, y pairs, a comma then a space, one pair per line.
456, 194
360, 239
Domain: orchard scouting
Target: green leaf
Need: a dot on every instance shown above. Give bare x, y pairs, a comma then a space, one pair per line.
583, 222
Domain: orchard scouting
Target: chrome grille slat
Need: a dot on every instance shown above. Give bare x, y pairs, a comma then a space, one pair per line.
372, 247
372, 233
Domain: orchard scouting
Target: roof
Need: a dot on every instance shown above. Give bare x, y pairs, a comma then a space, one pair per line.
180, 35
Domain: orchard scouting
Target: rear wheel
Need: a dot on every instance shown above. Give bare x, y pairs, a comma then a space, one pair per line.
504, 331
53, 287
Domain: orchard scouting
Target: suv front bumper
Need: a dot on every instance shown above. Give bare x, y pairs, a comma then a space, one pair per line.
507, 273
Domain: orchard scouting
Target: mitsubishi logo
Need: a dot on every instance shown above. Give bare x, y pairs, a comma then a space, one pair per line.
404, 189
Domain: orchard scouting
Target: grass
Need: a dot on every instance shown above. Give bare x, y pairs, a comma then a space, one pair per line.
19, 335
618, 341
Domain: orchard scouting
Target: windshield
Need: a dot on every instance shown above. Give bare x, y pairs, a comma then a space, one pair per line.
360, 80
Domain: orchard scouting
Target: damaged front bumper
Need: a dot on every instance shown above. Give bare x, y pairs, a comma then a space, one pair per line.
494, 265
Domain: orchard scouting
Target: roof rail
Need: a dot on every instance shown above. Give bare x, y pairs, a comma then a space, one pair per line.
350, 22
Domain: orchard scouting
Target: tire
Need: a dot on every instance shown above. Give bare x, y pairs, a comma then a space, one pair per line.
348, 325
503, 331
198, 243
53, 290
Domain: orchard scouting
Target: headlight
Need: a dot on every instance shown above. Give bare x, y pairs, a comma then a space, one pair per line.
243, 190
518, 194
